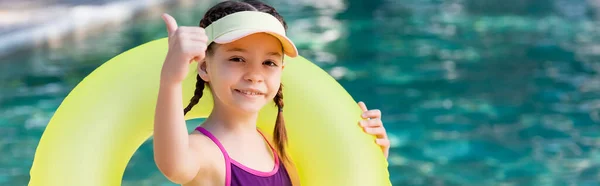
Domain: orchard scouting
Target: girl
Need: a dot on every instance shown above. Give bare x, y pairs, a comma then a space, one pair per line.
239, 48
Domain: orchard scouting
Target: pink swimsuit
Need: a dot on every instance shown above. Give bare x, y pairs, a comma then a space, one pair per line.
240, 175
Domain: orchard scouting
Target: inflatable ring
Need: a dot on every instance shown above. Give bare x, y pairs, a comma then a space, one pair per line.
101, 123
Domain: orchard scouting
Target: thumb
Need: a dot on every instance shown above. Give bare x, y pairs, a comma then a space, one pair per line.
170, 22
362, 106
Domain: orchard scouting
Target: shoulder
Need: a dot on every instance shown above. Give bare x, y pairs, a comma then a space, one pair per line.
208, 152
210, 158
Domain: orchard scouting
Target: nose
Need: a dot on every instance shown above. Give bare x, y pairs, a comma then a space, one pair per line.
253, 74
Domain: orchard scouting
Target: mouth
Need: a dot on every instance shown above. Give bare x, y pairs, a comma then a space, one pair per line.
250, 92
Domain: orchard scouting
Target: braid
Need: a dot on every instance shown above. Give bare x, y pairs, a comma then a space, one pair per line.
279, 133
197, 94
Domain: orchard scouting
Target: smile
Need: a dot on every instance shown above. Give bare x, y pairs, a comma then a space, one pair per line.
249, 92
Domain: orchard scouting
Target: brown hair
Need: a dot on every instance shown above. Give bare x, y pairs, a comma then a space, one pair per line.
221, 10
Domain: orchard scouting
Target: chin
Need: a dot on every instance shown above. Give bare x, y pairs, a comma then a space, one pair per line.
250, 107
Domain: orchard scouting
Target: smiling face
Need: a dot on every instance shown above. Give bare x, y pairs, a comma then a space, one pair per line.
245, 74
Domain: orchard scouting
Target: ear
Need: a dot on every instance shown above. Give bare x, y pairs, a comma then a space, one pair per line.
202, 70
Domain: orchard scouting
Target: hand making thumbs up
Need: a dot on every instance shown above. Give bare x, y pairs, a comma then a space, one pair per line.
186, 44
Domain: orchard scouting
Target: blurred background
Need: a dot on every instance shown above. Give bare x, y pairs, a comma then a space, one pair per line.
473, 92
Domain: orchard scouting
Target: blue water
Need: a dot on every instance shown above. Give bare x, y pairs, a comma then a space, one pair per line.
495, 92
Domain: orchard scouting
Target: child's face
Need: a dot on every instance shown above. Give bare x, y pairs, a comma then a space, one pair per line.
247, 66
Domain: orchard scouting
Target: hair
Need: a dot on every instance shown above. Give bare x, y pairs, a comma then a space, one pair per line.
221, 10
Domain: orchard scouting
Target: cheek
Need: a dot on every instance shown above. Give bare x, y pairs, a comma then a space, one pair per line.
224, 72
222, 78
274, 83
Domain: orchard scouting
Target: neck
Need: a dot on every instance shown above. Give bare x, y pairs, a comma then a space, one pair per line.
231, 120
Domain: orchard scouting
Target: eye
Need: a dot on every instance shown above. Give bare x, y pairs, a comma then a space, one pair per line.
270, 63
236, 59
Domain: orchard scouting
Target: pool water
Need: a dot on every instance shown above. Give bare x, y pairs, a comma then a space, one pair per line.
495, 92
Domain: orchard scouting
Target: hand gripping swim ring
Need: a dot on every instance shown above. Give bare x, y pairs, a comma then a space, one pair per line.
106, 117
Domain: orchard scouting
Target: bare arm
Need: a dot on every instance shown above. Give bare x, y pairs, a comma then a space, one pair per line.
172, 151
176, 155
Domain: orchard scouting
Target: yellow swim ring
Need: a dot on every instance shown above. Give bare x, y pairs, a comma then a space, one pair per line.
107, 116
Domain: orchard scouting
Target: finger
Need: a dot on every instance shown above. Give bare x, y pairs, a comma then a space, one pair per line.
191, 39
192, 29
196, 37
197, 59
383, 142
199, 47
199, 51
190, 48
170, 23
375, 113
385, 146
362, 106
377, 131
371, 123
196, 50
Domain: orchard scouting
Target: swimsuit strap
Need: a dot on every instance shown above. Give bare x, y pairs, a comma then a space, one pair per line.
229, 160
225, 155
275, 154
